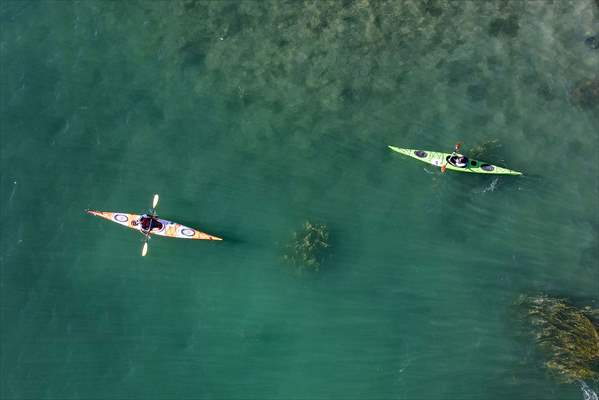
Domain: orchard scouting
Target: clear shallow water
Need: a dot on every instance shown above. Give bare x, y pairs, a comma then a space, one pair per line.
250, 119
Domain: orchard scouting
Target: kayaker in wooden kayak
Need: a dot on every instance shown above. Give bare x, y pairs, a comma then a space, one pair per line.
148, 222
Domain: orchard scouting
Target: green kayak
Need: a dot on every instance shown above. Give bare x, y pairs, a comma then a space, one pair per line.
460, 163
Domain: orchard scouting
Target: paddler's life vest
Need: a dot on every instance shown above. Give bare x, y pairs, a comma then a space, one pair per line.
459, 161
149, 223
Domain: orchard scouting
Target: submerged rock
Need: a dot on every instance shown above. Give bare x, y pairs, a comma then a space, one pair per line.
567, 334
486, 150
432, 8
545, 91
592, 42
308, 246
477, 92
504, 26
586, 93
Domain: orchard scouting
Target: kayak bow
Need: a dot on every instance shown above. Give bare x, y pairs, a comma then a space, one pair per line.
439, 159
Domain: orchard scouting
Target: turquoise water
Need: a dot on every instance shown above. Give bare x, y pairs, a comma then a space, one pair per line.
250, 118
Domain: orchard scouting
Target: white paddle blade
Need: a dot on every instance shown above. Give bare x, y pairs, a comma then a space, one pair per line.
155, 201
144, 251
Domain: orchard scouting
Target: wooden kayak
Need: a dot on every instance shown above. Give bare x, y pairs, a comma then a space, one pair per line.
168, 228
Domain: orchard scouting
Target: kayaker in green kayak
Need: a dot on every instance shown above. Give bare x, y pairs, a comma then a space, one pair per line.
456, 159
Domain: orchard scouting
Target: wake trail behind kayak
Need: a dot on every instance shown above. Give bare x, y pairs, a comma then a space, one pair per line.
587, 392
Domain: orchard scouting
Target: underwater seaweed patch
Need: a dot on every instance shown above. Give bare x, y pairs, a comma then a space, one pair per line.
568, 336
307, 247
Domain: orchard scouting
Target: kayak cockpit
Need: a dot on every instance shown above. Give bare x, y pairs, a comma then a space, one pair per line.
149, 223
458, 161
